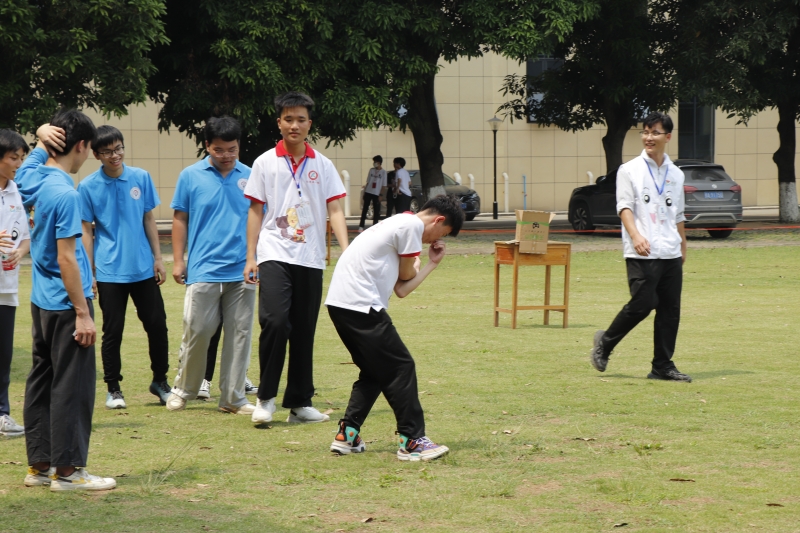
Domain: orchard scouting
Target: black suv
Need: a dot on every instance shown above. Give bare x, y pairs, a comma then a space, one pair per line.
713, 200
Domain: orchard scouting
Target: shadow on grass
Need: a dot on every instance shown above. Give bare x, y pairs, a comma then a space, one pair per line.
719, 373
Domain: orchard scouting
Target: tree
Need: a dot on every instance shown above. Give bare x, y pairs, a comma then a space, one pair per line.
613, 73
74, 53
363, 61
744, 56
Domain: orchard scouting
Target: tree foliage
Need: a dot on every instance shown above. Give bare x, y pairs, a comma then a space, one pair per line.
614, 72
81, 53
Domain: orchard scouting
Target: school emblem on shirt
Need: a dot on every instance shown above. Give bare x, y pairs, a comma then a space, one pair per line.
312, 175
136, 193
242, 183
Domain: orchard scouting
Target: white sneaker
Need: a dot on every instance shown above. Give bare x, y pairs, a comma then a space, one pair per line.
249, 388
9, 428
38, 478
306, 415
115, 400
205, 391
175, 403
264, 411
246, 409
82, 480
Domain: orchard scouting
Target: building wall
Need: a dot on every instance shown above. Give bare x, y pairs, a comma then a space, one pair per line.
467, 93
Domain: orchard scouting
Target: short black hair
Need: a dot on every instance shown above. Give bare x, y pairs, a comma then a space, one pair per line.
378, 158
655, 117
450, 208
11, 141
77, 127
293, 99
106, 136
225, 128
400, 161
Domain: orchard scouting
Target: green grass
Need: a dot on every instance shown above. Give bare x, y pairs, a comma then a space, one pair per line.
539, 440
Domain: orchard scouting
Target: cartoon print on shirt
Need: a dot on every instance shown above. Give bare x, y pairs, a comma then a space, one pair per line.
646, 195
668, 201
289, 226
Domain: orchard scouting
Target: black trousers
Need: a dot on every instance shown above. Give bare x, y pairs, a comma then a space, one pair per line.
146, 296
288, 309
386, 367
402, 203
211, 356
375, 200
7, 315
59, 392
654, 284
390, 202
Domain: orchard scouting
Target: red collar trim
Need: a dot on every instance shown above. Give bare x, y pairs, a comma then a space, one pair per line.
280, 150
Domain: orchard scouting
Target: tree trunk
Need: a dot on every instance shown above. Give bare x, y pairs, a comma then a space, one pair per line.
424, 123
784, 158
618, 123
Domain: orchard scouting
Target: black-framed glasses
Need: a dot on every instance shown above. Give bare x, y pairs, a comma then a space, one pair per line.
119, 150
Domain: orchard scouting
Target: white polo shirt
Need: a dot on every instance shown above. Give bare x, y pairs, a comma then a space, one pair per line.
14, 220
315, 183
655, 196
367, 271
376, 180
403, 180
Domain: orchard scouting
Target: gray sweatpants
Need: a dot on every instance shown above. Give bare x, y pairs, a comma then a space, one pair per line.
202, 306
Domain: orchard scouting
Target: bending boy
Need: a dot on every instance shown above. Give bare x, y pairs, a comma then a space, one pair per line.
383, 258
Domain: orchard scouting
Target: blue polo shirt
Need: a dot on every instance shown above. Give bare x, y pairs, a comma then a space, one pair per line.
57, 216
117, 206
217, 208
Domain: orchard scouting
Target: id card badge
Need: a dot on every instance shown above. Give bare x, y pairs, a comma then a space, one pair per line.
305, 217
662, 213
374, 184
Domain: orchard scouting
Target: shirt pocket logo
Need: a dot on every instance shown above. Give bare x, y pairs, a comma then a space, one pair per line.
136, 193
242, 183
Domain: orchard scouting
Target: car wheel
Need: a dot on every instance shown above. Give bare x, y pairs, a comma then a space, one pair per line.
581, 218
720, 233
414, 206
470, 217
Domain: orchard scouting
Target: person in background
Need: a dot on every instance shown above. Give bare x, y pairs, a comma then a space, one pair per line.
402, 186
374, 190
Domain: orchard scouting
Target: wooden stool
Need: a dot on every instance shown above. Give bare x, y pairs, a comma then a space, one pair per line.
505, 253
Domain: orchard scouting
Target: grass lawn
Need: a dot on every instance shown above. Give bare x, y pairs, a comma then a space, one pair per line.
539, 440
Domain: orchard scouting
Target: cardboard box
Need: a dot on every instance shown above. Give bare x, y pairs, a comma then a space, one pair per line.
533, 230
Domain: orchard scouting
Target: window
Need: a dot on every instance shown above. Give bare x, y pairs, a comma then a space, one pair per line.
537, 67
695, 131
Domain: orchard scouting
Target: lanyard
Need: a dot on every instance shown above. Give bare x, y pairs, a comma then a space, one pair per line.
661, 190
294, 177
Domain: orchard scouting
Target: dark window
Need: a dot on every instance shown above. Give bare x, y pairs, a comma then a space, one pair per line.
536, 67
695, 131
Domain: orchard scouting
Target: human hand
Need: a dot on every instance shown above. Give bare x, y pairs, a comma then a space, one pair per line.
641, 245
159, 271
5, 240
94, 287
179, 272
251, 272
12, 259
85, 333
417, 263
53, 137
436, 251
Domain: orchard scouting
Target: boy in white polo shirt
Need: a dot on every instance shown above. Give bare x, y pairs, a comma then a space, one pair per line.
286, 252
15, 241
373, 192
650, 202
402, 186
126, 258
382, 259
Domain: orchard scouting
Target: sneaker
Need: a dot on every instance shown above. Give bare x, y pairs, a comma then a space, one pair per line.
347, 440
421, 449
81, 480
246, 409
115, 400
175, 403
306, 415
9, 428
39, 478
597, 357
669, 375
205, 391
249, 388
162, 390
264, 411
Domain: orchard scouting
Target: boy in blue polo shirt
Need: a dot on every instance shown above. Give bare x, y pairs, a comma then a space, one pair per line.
211, 216
126, 259
60, 390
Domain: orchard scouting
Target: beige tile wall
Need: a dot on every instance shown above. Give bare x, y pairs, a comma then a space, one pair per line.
467, 93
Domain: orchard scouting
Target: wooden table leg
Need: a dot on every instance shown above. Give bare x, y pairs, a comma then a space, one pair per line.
547, 294
514, 289
496, 291
566, 292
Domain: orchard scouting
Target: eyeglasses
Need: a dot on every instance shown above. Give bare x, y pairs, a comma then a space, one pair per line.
654, 134
225, 153
119, 150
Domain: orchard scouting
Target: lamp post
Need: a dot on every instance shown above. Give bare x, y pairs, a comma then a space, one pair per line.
494, 123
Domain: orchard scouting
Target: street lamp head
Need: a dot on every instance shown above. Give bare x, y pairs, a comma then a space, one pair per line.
494, 123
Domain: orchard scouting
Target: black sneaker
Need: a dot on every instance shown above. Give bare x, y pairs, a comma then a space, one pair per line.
161, 390
669, 375
597, 356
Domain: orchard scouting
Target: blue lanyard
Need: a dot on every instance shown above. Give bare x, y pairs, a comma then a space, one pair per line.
663, 183
294, 177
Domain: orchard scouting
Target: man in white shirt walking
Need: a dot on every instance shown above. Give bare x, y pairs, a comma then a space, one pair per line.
650, 202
